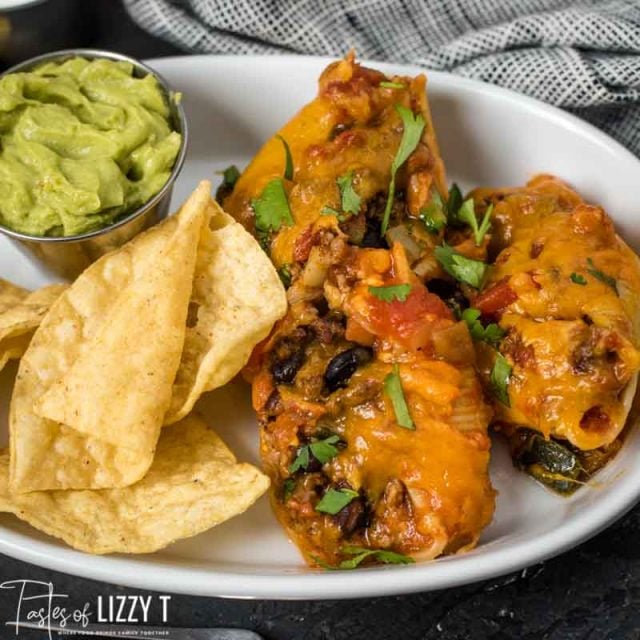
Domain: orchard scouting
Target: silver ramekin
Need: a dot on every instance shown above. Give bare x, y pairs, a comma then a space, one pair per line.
69, 256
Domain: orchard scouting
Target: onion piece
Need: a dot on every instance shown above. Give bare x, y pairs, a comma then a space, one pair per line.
402, 235
315, 271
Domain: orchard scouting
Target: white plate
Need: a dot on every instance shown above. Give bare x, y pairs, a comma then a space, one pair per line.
489, 136
7, 5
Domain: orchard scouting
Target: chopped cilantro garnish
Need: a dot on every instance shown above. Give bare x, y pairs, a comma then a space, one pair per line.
325, 565
230, 176
393, 388
578, 278
321, 450
301, 461
285, 275
491, 334
386, 84
460, 267
272, 207
324, 450
454, 202
391, 292
413, 126
334, 500
350, 199
433, 216
288, 159
288, 487
603, 277
381, 555
467, 214
330, 211
499, 379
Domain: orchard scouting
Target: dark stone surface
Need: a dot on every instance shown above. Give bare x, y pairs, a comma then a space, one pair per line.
59, 24
590, 593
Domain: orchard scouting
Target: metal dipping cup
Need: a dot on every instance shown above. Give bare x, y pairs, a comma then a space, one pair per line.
69, 256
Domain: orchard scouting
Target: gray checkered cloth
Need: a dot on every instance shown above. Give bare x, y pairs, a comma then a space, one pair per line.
584, 57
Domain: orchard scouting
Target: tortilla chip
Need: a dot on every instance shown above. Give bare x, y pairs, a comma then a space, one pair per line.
237, 296
21, 312
193, 484
10, 295
94, 386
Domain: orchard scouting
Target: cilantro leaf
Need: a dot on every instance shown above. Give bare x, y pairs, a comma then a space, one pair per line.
413, 126
230, 176
471, 316
321, 450
386, 84
433, 216
288, 159
325, 565
334, 500
393, 388
460, 267
603, 277
467, 213
392, 557
324, 450
454, 202
381, 555
391, 292
285, 275
350, 199
578, 278
301, 461
499, 379
272, 207
288, 487
352, 563
491, 334
485, 225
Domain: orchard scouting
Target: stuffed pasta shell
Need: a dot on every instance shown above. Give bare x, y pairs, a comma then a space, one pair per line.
564, 290
372, 419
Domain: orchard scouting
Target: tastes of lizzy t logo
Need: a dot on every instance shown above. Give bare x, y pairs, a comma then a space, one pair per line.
38, 603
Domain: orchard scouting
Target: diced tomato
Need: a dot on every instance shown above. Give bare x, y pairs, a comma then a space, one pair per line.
305, 242
493, 300
355, 332
410, 322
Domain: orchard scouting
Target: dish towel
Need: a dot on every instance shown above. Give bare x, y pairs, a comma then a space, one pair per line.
581, 56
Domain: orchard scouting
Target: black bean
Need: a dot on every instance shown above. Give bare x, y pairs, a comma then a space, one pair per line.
284, 371
372, 238
354, 516
343, 366
273, 405
449, 293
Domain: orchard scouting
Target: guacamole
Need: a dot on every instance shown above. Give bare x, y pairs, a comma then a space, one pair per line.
82, 143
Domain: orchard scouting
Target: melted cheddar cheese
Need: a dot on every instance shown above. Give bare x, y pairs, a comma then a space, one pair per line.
323, 372
571, 312
352, 125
